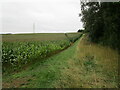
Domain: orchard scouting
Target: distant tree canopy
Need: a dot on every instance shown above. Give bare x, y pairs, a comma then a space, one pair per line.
102, 21
80, 30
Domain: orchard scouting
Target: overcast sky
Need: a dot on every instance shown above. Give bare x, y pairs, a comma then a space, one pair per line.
18, 16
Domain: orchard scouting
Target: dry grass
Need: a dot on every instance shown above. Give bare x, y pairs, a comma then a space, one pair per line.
93, 66
18, 82
103, 55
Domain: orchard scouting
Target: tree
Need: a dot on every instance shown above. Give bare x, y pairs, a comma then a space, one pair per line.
102, 21
80, 30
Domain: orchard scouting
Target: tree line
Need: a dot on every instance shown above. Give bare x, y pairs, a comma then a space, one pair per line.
102, 21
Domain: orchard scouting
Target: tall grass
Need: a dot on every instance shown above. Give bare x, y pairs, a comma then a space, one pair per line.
92, 66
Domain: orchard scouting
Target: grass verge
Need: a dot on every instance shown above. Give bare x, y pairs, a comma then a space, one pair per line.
92, 66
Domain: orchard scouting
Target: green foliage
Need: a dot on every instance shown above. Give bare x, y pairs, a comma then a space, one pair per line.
80, 30
73, 39
89, 63
19, 53
102, 21
16, 54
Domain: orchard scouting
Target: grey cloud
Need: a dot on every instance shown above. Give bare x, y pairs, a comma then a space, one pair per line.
49, 16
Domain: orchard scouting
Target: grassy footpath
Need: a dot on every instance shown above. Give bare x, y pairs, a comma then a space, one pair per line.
83, 65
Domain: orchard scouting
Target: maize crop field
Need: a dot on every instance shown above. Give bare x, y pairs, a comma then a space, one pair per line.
17, 52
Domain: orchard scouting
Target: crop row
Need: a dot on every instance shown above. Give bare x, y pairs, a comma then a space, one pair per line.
22, 52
